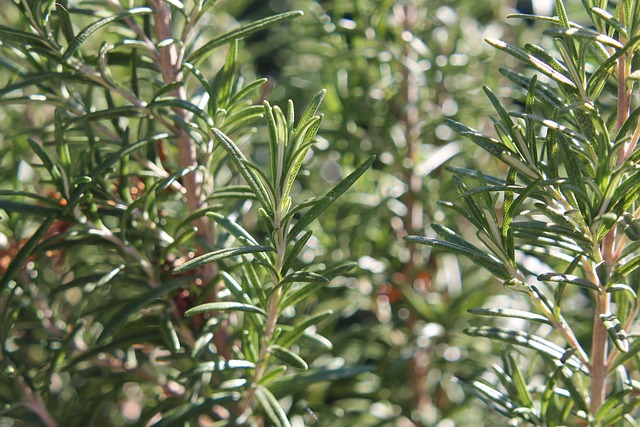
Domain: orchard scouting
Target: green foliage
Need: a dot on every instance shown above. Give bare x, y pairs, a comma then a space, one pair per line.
133, 290
556, 229
180, 246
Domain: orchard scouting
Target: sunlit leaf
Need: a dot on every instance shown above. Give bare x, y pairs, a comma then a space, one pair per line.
219, 255
84, 34
223, 306
241, 32
271, 407
289, 357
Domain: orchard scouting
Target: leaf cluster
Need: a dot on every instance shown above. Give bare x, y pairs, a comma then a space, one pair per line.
559, 224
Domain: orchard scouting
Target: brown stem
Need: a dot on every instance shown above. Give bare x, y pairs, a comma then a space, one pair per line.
409, 116
37, 405
193, 182
608, 250
171, 68
600, 342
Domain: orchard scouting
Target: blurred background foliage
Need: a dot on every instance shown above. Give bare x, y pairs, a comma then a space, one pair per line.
393, 70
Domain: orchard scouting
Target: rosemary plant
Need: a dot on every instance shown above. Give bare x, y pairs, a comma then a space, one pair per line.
561, 227
137, 284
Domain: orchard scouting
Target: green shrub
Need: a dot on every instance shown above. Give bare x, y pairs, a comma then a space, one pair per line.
157, 270
560, 229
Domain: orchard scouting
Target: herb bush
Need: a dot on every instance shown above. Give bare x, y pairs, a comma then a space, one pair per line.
393, 72
157, 270
559, 226
169, 255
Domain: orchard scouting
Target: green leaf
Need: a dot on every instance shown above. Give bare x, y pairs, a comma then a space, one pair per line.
271, 407
250, 344
200, 345
48, 164
541, 18
295, 159
621, 287
234, 287
538, 232
547, 400
65, 348
583, 33
491, 145
237, 121
303, 277
497, 105
543, 92
290, 337
29, 209
255, 169
62, 146
617, 334
20, 37
181, 414
219, 366
294, 296
249, 175
322, 204
626, 193
555, 126
202, 79
292, 254
274, 143
234, 228
228, 76
541, 345
289, 357
241, 32
42, 78
523, 395
169, 332
616, 408
570, 279
509, 313
609, 19
272, 373
111, 113
254, 286
625, 268
287, 385
493, 397
223, 306
165, 89
624, 357
184, 105
598, 79
533, 61
247, 90
236, 290
480, 258
562, 14
315, 342
629, 124
233, 192
218, 255
311, 109
74, 45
